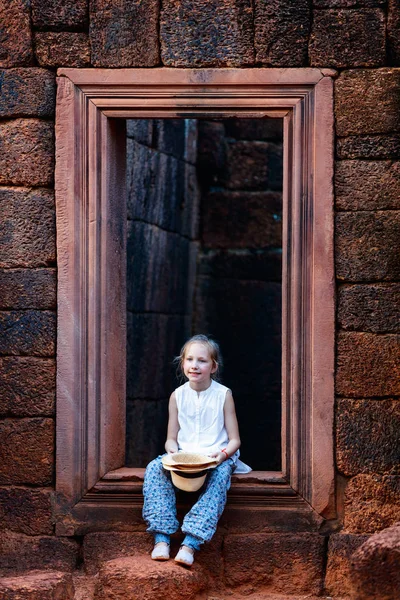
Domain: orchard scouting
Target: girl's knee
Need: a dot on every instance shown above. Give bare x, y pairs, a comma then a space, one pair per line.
153, 468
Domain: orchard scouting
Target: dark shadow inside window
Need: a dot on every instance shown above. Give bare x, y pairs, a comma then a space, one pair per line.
204, 255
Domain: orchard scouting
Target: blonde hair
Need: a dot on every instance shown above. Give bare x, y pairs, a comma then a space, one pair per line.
213, 348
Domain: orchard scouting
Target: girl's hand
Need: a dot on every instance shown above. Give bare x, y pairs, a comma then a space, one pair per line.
220, 456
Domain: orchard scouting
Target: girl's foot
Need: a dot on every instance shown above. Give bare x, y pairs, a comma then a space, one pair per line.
160, 551
185, 556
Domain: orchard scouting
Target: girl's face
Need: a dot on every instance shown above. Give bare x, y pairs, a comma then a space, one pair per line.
198, 365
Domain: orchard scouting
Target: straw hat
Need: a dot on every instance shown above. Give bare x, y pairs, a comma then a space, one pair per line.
188, 469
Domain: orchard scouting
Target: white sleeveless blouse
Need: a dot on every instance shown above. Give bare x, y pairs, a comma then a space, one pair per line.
201, 421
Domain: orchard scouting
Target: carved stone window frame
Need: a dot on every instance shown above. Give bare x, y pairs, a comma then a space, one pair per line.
93, 489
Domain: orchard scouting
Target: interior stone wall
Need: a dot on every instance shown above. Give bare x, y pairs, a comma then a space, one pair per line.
358, 38
162, 211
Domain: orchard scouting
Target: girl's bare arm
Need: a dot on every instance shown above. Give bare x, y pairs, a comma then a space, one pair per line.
171, 445
232, 428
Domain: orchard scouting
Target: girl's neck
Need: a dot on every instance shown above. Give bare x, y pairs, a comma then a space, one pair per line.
201, 387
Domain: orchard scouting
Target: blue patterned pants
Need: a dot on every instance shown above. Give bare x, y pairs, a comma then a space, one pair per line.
159, 509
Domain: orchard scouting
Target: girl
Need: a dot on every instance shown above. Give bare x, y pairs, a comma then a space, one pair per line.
202, 418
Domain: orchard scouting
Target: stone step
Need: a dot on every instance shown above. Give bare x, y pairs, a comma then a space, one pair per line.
37, 585
140, 578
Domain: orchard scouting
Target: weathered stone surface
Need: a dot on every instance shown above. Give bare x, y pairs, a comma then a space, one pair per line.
19, 553
140, 130
367, 184
148, 334
348, 38
27, 93
162, 190
28, 288
393, 32
372, 307
162, 265
367, 436
169, 136
139, 576
338, 571
28, 332
48, 585
124, 34
281, 563
101, 547
372, 502
367, 101
27, 227
226, 224
281, 32
27, 386
368, 246
26, 152
59, 14
26, 451
53, 49
212, 150
146, 426
26, 510
268, 129
376, 566
369, 146
15, 34
259, 265
207, 33
368, 365
347, 3
253, 166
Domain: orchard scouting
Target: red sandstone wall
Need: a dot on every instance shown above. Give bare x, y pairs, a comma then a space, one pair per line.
360, 39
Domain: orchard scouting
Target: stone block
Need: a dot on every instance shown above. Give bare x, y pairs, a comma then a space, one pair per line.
27, 386
348, 38
267, 129
62, 49
376, 566
281, 32
47, 585
28, 288
207, 33
140, 130
27, 227
280, 563
15, 35
59, 14
26, 451
212, 151
338, 571
124, 33
101, 547
372, 502
169, 136
28, 332
367, 102
372, 307
368, 246
27, 152
348, 3
161, 190
368, 365
369, 146
140, 577
259, 265
149, 335
367, 184
26, 510
161, 268
253, 165
234, 219
146, 430
27, 93
20, 553
393, 32
367, 436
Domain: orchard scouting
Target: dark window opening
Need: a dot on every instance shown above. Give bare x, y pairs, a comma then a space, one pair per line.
204, 254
